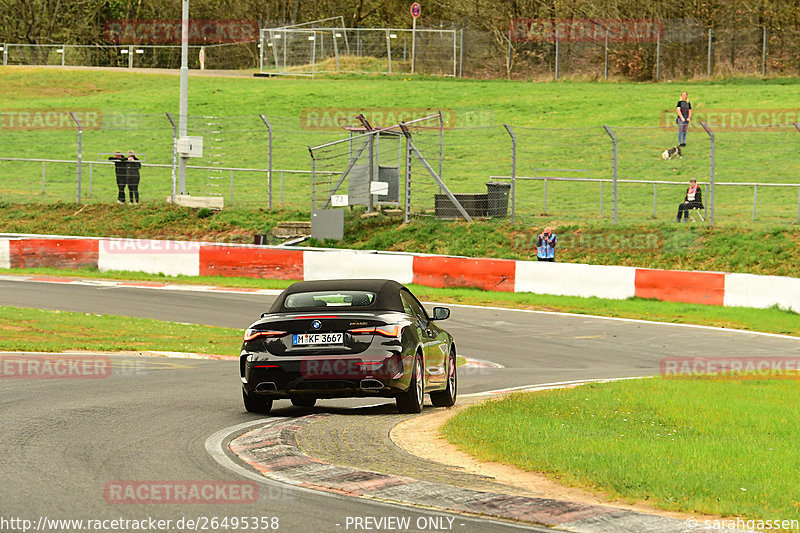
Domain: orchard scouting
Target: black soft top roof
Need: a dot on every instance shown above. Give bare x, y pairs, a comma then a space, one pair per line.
387, 292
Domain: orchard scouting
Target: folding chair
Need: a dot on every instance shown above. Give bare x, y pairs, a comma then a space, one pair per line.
696, 212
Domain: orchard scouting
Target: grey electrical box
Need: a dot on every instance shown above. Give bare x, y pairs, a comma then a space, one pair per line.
327, 224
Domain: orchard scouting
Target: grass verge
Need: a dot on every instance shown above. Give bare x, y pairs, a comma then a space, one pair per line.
55, 331
773, 320
722, 445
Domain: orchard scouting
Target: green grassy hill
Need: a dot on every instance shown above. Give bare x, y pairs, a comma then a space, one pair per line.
558, 126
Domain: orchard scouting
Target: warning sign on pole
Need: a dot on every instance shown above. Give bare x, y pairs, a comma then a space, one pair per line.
415, 11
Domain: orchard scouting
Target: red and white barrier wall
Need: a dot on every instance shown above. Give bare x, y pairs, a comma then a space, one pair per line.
567, 279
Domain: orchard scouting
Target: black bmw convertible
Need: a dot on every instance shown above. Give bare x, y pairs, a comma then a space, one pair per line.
348, 338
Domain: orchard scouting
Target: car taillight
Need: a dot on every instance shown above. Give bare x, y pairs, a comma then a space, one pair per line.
266, 366
251, 334
383, 331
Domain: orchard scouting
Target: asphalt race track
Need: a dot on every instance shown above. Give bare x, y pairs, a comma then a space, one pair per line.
65, 440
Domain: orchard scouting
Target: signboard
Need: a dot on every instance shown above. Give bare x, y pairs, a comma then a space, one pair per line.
190, 147
415, 9
339, 200
379, 188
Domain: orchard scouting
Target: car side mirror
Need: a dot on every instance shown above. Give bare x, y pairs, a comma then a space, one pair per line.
441, 313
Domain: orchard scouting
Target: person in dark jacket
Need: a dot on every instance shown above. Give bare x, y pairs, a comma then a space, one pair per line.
121, 170
692, 200
133, 166
546, 246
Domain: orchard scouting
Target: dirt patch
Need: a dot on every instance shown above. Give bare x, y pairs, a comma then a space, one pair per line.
420, 436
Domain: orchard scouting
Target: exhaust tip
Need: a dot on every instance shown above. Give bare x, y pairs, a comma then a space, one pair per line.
371, 384
266, 386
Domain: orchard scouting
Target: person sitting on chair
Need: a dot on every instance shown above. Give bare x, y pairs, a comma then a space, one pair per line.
692, 200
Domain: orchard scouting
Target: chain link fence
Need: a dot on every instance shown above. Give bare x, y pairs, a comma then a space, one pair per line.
646, 49
521, 172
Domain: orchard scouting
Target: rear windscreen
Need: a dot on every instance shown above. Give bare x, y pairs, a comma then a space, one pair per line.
316, 299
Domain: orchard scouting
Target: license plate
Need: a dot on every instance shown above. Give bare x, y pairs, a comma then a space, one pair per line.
304, 339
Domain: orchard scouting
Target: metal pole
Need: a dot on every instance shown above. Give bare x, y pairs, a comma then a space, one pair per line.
269, 161
605, 70
130, 56
658, 56
556, 56
91, 178
455, 54
231, 186
407, 215
184, 98
80, 153
545, 195
613, 169
313, 55
461, 54
5, 54
370, 206
335, 49
441, 146
174, 151
711, 198
413, 46
389, 53
764, 54
44, 176
63, 54
755, 200
313, 177
655, 198
710, 35
261, 51
513, 171
281, 188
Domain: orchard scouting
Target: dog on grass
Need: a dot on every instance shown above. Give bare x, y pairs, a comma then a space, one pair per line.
671, 153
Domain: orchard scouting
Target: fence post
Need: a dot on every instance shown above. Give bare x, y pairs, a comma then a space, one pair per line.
605, 70
269, 161
601, 199
389, 53
461, 54
231, 186
44, 176
755, 200
91, 178
80, 152
130, 56
407, 209
710, 35
441, 146
556, 55
658, 56
655, 199
5, 54
313, 176
764, 54
711, 199
174, 152
613, 170
513, 171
